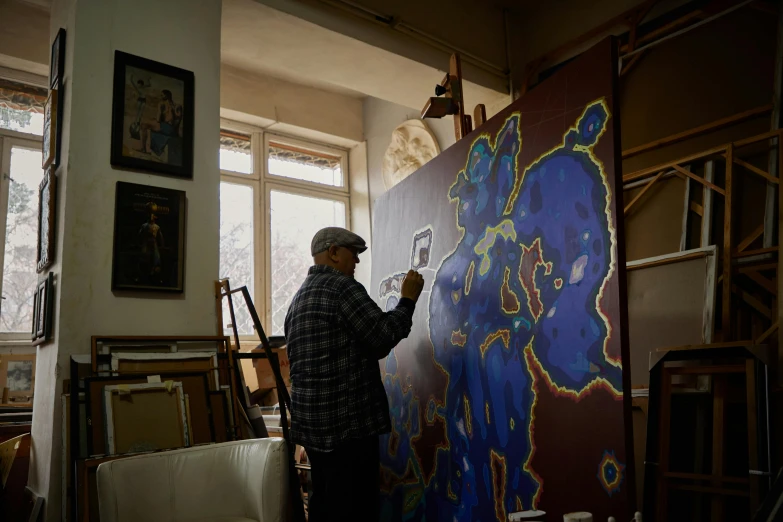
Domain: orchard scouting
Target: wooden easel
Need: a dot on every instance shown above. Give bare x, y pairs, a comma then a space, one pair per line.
223, 290
454, 101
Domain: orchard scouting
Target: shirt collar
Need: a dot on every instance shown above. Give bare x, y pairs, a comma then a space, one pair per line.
324, 269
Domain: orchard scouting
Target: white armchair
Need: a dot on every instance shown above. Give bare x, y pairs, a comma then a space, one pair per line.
244, 481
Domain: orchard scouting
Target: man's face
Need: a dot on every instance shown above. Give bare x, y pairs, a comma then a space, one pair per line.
345, 259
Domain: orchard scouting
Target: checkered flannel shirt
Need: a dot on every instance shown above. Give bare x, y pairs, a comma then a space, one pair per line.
335, 335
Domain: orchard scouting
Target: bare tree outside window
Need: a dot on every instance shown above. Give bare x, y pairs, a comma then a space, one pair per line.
236, 250
19, 276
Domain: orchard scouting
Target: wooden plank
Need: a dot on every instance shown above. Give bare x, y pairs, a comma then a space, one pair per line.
701, 180
702, 477
765, 266
766, 335
763, 282
479, 115
703, 370
642, 192
663, 261
701, 129
685, 214
753, 441
698, 209
665, 29
753, 302
706, 204
708, 346
718, 438
643, 173
627, 66
700, 155
727, 318
756, 252
756, 170
745, 243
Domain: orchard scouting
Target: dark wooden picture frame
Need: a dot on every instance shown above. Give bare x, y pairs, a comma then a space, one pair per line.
47, 198
152, 116
149, 239
43, 306
57, 60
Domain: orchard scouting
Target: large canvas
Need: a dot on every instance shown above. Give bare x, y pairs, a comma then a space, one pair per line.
510, 394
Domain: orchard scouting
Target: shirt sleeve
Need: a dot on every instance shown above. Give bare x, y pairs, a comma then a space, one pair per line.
379, 331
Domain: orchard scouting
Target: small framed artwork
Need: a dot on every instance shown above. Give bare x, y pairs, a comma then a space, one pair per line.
47, 194
43, 306
17, 373
152, 116
50, 128
57, 60
149, 239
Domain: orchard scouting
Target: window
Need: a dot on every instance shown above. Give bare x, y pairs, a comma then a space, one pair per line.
21, 126
21, 107
276, 192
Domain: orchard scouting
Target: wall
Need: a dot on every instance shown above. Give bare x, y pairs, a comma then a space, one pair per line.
24, 37
85, 305
279, 101
380, 119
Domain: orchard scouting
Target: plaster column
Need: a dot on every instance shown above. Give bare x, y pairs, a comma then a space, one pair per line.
182, 33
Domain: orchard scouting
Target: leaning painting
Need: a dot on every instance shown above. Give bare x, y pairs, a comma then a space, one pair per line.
510, 394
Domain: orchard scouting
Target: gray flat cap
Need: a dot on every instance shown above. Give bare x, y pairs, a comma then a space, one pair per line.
336, 236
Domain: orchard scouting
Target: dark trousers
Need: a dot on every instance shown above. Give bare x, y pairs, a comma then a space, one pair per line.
345, 482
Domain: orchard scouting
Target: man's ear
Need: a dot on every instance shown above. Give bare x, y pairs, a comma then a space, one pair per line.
333, 253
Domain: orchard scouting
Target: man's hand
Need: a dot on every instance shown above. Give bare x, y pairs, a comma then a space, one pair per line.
412, 285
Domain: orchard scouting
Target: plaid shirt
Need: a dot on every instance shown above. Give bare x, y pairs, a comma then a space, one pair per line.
336, 334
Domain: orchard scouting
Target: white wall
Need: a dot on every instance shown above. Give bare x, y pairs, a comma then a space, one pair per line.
380, 119
24, 37
283, 102
85, 305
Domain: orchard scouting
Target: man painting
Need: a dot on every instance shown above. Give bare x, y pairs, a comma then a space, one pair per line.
335, 335
155, 134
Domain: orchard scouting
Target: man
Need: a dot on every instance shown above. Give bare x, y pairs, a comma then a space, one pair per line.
336, 334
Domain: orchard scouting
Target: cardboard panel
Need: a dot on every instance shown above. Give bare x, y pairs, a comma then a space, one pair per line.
195, 385
666, 308
509, 394
220, 418
147, 418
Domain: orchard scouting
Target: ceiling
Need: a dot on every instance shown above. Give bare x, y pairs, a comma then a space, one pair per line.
262, 40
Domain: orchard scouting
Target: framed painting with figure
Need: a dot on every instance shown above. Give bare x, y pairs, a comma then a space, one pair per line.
152, 116
46, 213
49, 146
149, 239
17, 374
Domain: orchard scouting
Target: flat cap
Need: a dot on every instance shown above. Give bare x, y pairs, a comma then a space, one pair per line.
336, 236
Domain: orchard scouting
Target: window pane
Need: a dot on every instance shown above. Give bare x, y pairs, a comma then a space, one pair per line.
21, 107
236, 249
19, 277
297, 163
295, 220
235, 153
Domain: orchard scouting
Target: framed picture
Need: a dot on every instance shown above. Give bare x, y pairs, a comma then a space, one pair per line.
17, 373
149, 239
50, 128
47, 193
152, 116
57, 61
43, 304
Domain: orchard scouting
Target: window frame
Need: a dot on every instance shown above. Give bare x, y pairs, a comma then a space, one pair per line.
10, 139
262, 184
